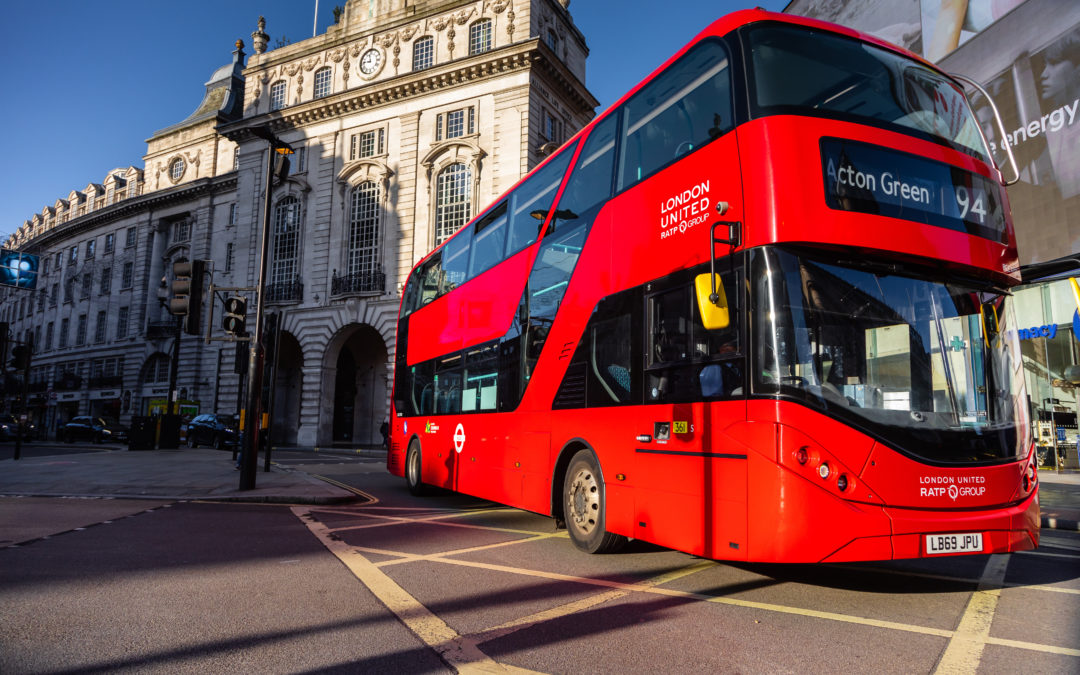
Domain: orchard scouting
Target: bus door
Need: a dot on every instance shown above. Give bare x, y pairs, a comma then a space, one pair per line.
691, 478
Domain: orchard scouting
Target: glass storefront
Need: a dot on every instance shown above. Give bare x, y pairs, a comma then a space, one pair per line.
1048, 316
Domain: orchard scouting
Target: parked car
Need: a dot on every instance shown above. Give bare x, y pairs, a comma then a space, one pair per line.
95, 429
9, 428
212, 429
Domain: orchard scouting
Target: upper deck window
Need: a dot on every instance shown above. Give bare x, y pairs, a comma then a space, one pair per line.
684, 108
795, 70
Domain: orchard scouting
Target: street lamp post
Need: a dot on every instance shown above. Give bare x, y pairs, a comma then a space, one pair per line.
253, 412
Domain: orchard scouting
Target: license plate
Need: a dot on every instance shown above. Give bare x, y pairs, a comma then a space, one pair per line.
966, 542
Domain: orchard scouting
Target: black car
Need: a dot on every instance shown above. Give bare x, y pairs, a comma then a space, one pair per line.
9, 429
95, 429
211, 429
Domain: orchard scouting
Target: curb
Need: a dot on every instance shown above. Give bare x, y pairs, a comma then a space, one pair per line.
1053, 523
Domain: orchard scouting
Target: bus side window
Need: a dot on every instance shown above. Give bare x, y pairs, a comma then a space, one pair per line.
531, 201
684, 108
489, 241
589, 186
611, 363
481, 378
422, 388
448, 372
430, 280
455, 261
411, 296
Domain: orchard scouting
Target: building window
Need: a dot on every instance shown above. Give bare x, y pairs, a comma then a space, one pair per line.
80, 331
110, 243
69, 290
181, 231
552, 39
99, 327
106, 281
54, 294
236, 158
41, 300
552, 129
367, 144
364, 230
286, 250
322, 82
49, 330
480, 36
59, 260
299, 161
277, 95
453, 200
131, 238
176, 169
45, 260
455, 123
73, 256
65, 324
233, 211
423, 53
127, 278
87, 284
230, 254
122, 322
91, 248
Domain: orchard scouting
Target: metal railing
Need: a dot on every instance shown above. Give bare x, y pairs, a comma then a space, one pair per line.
358, 282
285, 291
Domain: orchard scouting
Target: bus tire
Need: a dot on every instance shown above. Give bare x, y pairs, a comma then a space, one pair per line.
584, 506
412, 471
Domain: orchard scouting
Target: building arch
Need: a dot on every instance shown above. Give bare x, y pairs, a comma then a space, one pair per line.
356, 370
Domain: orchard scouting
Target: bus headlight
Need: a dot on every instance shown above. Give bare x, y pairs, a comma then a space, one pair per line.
823, 470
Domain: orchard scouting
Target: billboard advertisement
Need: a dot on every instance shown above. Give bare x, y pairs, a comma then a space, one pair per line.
1026, 53
18, 269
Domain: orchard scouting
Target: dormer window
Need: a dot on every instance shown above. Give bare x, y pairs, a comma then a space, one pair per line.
277, 95
423, 53
322, 82
480, 36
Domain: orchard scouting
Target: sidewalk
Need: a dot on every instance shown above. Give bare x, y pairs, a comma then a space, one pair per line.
162, 474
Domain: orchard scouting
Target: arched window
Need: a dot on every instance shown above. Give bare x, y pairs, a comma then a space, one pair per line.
156, 369
453, 200
363, 256
322, 82
480, 36
423, 53
286, 243
277, 95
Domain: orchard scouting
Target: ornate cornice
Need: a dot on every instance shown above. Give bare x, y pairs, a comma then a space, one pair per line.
510, 59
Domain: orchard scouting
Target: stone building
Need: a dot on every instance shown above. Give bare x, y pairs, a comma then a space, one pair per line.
406, 117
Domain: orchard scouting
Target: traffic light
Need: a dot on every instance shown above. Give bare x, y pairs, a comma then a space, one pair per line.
235, 315
18, 357
187, 291
281, 163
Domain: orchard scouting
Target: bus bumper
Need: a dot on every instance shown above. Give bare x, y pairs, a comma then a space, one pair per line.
1002, 531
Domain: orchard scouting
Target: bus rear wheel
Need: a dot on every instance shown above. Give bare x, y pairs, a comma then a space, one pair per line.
584, 506
412, 471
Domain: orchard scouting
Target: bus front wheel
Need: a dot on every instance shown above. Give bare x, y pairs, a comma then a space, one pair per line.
412, 471
584, 505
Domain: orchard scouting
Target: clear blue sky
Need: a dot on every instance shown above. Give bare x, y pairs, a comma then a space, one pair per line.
89, 82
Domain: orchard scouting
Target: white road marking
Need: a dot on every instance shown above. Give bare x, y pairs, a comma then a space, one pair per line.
964, 651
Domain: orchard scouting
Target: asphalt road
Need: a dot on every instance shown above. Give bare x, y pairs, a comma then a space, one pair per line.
446, 582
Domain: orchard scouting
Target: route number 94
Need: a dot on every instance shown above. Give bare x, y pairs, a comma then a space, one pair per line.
970, 201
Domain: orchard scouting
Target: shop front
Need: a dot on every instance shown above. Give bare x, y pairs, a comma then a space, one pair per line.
1048, 316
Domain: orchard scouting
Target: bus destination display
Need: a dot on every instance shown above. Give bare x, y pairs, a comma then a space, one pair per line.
870, 179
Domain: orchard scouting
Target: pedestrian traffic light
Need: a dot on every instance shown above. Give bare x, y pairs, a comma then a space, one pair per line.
235, 315
187, 291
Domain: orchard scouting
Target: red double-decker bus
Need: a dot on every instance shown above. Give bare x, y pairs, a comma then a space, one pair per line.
754, 311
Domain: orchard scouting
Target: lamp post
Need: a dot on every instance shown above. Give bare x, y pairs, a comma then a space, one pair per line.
253, 412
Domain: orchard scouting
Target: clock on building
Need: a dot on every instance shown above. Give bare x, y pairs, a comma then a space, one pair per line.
370, 61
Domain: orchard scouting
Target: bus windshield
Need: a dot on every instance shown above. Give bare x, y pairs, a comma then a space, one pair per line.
795, 70
930, 365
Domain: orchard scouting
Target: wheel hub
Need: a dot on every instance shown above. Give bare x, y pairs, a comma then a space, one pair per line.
583, 501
